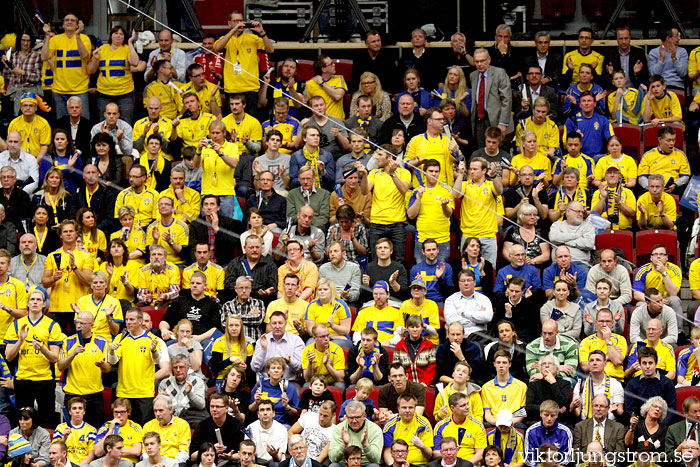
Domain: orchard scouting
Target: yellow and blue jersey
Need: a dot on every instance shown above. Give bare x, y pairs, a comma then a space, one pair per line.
215, 277
136, 370
540, 165
336, 357
547, 134
511, 446
630, 107
425, 146
666, 356
597, 129
478, 216
115, 71
469, 434
397, 428
97, 310
131, 432
34, 134
68, 287
203, 94
648, 277
145, 204
627, 165
665, 106
179, 235
333, 108
429, 313
583, 163
69, 68
510, 396
383, 321
673, 165
32, 364
579, 59
318, 312
13, 293
431, 221
170, 98
165, 128
576, 91
83, 376
80, 441
220, 346
191, 130
687, 365
289, 129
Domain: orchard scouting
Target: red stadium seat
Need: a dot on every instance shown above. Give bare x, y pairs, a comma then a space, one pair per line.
210, 391
337, 397
429, 404
556, 10
683, 393
156, 313
622, 239
350, 393
631, 138
651, 137
344, 67
646, 239
679, 94
107, 402
676, 198
305, 70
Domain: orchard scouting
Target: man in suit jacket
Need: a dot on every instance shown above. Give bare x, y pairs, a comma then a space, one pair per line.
531, 90
81, 137
298, 450
448, 451
496, 107
224, 229
687, 428
634, 64
548, 60
613, 433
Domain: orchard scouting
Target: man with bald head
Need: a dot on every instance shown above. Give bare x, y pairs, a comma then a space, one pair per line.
573, 232
666, 363
517, 268
167, 51
690, 452
120, 130
406, 119
526, 193
96, 197
563, 268
610, 268
564, 349
154, 123
310, 237
28, 265
83, 359
25, 164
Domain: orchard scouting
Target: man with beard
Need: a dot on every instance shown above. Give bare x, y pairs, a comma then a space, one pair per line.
159, 282
346, 275
579, 236
28, 266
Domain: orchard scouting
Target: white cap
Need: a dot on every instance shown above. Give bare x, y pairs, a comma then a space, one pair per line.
504, 418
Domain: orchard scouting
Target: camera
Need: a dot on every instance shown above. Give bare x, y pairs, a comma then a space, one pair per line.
248, 25
614, 218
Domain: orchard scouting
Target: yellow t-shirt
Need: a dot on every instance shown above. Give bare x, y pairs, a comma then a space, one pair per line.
68, 287
158, 283
593, 342
242, 50
397, 428
135, 241
672, 165
116, 288
145, 204
217, 175
83, 376
32, 364
179, 235
191, 130
384, 321
627, 165
470, 435
694, 65
34, 134
429, 314
540, 165
665, 107
13, 293
425, 146
629, 109
94, 246
476, 405
215, 277
627, 197
478, 217
647, 277
115, 71
187, 211
665, 354
547, 134
295, 312
336, 359
431, 221
97, 309
510, 396
220, 346
203, 94
249, 125
579, 59
136, 369
170, 98
333, 108
175, 436
387, 201
320, 313
694, 274
653, 215
165, 128
69, 69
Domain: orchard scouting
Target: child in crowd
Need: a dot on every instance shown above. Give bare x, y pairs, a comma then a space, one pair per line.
317, 394
364, 388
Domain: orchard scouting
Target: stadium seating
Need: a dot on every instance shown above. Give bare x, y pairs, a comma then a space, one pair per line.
646, 239
620, 239
631, 139
683, 393
350, 393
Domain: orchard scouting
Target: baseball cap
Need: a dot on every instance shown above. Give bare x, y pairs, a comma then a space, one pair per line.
504, 418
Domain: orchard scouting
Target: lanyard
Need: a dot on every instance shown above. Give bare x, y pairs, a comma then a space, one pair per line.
54, 206
40, 240
88, 196
27, 269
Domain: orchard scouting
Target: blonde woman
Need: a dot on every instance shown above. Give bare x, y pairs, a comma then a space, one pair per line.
133, 237
55, 198
187, 346
372, 87
455, 89
328, 309
230, 349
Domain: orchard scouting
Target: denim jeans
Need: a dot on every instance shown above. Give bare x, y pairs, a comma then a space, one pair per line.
394, 232
60, 102
443, 253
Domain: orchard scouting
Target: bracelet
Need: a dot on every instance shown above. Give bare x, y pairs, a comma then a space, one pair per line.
264, 35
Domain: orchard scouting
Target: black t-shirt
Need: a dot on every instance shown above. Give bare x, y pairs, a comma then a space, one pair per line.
204, 314
312, 403
513, 195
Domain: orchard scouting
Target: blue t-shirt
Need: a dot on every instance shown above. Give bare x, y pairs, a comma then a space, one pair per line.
551, 275
596, 131
274, 393
370, 407
526, 271
427, 273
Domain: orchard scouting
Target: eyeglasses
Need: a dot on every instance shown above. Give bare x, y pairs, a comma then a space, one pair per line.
369, 82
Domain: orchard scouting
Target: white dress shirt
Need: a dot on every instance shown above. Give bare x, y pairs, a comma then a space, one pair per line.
472, 312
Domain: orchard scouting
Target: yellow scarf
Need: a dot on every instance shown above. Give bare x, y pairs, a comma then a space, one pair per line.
312, 159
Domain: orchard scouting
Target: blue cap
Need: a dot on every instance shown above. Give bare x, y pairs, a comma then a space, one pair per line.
381, 285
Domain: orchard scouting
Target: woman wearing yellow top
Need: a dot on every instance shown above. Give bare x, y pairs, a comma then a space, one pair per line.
113, 61
123, 274
94, 239
231, 349
133, 237
625, 103
328, 309
627, 164
105, 308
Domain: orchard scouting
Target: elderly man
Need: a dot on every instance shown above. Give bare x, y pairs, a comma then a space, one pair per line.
411, 427
228, 427
174, 431
35, 130
279, 343
166, 51
547, 385
308, 195
159, 281
468, 307
599, 427
610, 268
311, 238
517, 268
299, 454
661, 275
120, 131
563, 348
406, 119
686, 429
78, 125
654, 308
24, 163
457, 349
563, 268
28, 266
491, 104
356, 430
573, 232
186, 390
666, 364
250, 309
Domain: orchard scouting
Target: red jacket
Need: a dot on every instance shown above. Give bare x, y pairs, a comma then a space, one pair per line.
422, 368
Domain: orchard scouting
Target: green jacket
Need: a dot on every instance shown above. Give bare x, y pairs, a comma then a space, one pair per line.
375, 442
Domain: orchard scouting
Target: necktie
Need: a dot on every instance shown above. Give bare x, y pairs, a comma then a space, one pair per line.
692, 433
482, 98
597, 434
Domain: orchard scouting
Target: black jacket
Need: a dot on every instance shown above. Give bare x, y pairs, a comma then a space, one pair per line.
552, 68
384, 66
102, 202
416, 127
82, 137
231, 433
227, 244
17, 207
540, 390
273, 209
352, 365
545, 91
204, 314
613, 57
446, 360
264, 277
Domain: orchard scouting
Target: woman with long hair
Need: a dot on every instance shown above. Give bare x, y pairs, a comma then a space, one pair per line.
113, 62
133, 237
331, 311
54, 197
63, 155
46, 238
254, 223
231, 349
371, 86
25, 73
508, 341
235, 387
421, 97
456, 89
94, 240
103, 155
123, 274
